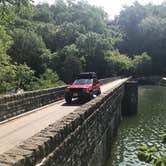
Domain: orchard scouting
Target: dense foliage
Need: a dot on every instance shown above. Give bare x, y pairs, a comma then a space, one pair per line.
41, 45
145, 29
151, 154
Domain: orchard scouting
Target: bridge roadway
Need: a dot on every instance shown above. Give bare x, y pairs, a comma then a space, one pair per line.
14, 131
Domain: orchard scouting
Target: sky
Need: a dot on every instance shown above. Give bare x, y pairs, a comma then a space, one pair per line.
112, 7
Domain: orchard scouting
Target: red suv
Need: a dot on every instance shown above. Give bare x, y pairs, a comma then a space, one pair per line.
85, 86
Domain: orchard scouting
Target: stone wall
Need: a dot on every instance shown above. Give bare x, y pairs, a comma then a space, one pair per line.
16, 104
12, 105
76, 139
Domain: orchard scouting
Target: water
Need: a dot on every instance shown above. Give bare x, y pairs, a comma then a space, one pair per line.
144, 128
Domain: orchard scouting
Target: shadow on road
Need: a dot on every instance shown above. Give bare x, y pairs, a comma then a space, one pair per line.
75, 102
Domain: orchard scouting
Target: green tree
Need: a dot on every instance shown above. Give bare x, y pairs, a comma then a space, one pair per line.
7, 77
24, 76
93, 18
5, 43
46, 80
72, 67
118, 64
6, 70
154, 30
11, 75
60, 12
67, 63
129, 20
144, 28
93, 47
29, 48
48, 33
18, 6
142, 64
74, 35
56, 37
16, 2
42, 13
66, 34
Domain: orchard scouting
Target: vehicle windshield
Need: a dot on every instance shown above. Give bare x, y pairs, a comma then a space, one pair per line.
82, 81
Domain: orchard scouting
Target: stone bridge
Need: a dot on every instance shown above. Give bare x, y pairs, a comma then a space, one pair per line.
80, 137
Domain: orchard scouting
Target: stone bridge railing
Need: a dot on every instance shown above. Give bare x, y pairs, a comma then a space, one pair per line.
82, 138
16, 104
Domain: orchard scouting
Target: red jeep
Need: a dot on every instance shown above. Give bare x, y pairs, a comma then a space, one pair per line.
85, 86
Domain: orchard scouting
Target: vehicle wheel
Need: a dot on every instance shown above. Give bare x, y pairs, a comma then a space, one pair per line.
91, 95
99, 92
68, 99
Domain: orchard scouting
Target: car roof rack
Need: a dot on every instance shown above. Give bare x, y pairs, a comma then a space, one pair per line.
86, 75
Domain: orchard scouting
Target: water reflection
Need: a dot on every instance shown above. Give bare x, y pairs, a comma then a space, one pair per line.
144, 128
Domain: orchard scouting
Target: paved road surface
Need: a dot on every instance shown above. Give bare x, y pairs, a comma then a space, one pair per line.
15, 131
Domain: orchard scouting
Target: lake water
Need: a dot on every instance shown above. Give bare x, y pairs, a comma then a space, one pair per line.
144, 128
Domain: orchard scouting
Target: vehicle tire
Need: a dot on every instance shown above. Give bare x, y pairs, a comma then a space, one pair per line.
91, 95
68, 99
99, 92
